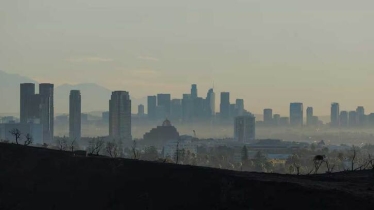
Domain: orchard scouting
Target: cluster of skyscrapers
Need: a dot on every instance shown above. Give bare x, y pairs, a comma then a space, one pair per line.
38, 108
37, 113
356, 118
296, 117
191, 107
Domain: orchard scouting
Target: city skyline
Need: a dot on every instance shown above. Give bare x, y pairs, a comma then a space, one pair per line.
269, 57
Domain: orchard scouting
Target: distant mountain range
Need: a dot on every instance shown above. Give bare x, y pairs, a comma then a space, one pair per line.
94, 97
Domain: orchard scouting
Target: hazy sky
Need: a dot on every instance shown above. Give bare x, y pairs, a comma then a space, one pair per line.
269, 52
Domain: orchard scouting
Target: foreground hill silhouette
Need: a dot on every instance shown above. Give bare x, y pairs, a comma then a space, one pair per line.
38, 178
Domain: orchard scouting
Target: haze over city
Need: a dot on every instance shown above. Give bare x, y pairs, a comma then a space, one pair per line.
269, 53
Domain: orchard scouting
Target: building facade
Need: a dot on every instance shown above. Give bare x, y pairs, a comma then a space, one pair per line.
120, 116
268, 117
245, 128
296, 114
225, 106
75, 115
335, 112
151, 108
165, 101
309, 116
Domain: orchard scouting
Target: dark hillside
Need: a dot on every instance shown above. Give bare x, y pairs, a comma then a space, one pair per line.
37, 178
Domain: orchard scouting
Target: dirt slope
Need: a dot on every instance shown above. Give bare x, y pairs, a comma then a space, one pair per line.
36, 178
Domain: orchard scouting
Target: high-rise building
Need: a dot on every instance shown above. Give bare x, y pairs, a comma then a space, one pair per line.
164, 100
296, 114
225, 106
352, 115
361, 118
193, 91
343, 118
187, 107
46, 92
176, 109
151, 109
198, 108
75, 114
38, 108
371, 119
239, 107
105, 117
27, 93
211, 102
309, 116
335, 114
276, 119
120, 116
233, 111
245, 128
140, 109
284, 121
268, 117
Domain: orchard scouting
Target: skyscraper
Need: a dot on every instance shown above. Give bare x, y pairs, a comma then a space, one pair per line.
233, 111
164, 100
198, 108
296, 114
211, 102
343, 118
225, 106
176, 109
120, 116
151, 109
27, 93
276, 119
335, 115
309, 116
47, 111
187, 107
239, 107
361, 118
75, 114
268, 117
352, 121
245, 128
140, 109
193, 91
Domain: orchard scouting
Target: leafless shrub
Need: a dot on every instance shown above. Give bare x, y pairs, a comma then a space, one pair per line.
73, 144
96, 145
62, 143
112, 149
29, 140
16, 133
135, 152
318, 160
353, 157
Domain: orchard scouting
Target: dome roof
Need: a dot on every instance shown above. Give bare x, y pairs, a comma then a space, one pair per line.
166, 123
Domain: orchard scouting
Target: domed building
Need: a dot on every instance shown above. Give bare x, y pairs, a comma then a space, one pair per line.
162, 134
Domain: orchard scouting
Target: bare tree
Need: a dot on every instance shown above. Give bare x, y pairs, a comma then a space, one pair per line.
112, 149
16, 133
177, 153
96, 145
353, 157
62, 143
29, 140
73, 144
134, 150
330, 166
318, 160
